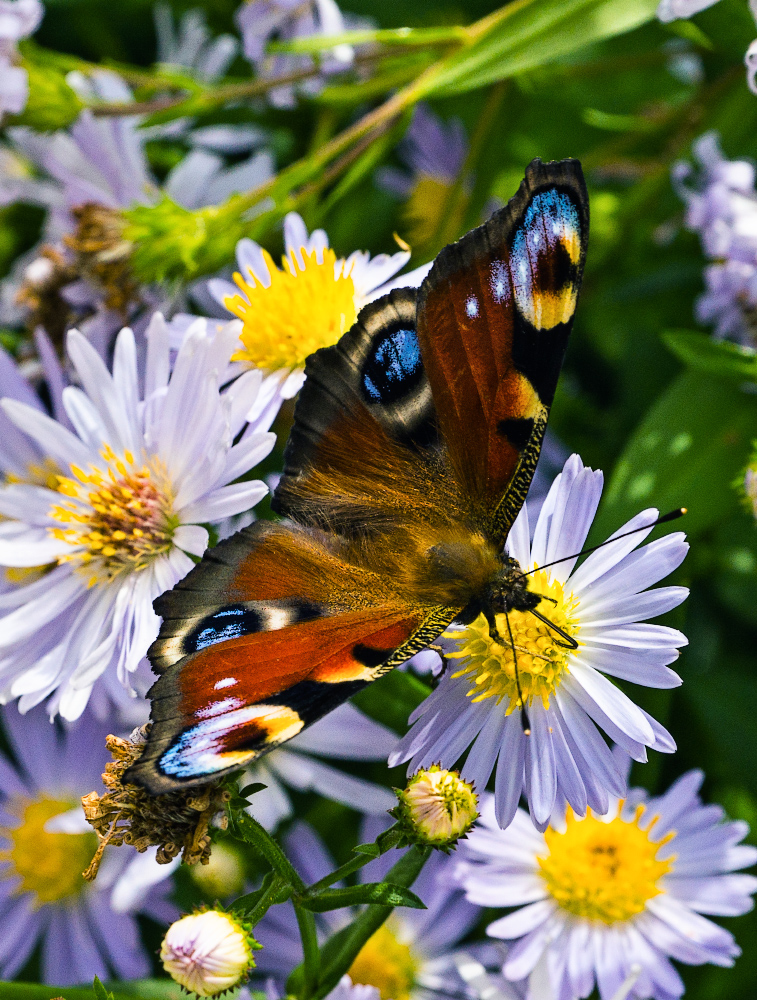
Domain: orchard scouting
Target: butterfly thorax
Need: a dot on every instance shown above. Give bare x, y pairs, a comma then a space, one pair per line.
508, 589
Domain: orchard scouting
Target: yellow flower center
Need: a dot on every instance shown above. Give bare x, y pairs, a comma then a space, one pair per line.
50, 865
541, 660
302, 310
386, 963
425, 210
119, 518
604, 871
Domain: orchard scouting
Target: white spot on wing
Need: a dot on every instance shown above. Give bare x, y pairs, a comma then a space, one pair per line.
471, 306
227, 682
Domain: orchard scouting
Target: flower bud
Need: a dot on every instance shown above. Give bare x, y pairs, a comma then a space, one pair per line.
436, 808
208, 953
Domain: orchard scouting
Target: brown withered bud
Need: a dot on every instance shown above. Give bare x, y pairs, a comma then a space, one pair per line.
102, 255
40, 293
178, 823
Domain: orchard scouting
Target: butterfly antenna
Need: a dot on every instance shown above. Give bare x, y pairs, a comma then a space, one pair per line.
570, 642
522, 704
672, 516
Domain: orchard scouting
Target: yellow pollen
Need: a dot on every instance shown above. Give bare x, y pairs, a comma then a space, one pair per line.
386, 963
118, 518
302, 309
541, 661
604, 871
50, 865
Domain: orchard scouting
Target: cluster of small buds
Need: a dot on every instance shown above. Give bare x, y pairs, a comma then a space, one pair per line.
208, 952
178, 823
436, 808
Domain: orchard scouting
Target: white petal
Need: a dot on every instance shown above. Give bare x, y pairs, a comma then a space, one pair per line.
225, 502
191, 538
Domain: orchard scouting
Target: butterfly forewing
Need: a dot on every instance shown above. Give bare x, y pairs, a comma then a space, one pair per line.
494, 317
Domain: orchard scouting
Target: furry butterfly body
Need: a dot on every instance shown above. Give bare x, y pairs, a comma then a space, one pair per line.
414, 444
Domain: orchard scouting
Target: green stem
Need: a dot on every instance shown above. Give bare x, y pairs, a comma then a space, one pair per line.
389, 839
247, 828
311, 966
341, 950
255, 905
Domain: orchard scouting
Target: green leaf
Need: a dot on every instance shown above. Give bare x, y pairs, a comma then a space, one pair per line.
718, 357
248, 790
392, 698
389, 36
371, 849
687, 451
372, 892
525, 35
100, 992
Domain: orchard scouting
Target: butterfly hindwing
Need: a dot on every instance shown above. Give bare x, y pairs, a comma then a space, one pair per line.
494, 315
240, 674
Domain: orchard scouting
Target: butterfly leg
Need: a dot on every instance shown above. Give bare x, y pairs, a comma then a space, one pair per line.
570, 642
442, 656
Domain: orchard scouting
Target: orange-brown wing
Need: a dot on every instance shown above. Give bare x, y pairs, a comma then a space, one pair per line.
267, 634
494, 315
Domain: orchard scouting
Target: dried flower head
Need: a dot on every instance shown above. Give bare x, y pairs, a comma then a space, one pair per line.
178, 823
40, 293
208, 952
103, 255
436, 808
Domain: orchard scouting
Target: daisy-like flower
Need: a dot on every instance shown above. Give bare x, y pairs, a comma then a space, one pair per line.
410, 956
84, 929
344, 734
613, 897
288, 314
554, 747
141, 474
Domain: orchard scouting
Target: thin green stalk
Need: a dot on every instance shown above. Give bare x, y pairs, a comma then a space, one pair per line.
341, 950
389, 839
311, 965
255, 905
247, 828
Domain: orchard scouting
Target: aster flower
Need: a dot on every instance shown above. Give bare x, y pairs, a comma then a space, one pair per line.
18, 19
721, 205
435, 152
554, 748
84, 930
288, 314
410, 956
344, 734
189, 44
613, 897
260, 20
142, 473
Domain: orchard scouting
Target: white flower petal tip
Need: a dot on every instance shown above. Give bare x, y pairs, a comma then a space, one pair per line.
113, 510
611, 898
561, 668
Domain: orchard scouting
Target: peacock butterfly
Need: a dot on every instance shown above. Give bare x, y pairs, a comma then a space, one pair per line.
414, 443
